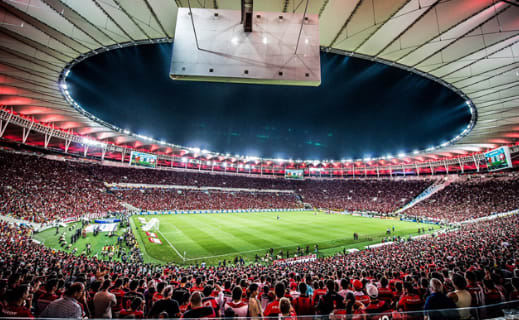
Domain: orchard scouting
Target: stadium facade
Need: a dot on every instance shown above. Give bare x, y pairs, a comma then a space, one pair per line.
471, 47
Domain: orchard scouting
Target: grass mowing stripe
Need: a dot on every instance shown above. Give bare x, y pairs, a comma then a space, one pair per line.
172, 246
213, 237
207, 241
234, 237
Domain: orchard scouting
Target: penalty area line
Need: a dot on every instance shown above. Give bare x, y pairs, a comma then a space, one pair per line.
172, 246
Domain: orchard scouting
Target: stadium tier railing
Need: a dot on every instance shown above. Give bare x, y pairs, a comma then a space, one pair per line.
502, 311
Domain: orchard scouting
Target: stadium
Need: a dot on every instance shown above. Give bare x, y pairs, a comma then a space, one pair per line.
330, 159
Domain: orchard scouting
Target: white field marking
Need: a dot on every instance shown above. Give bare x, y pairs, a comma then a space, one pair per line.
263, 249
172, 246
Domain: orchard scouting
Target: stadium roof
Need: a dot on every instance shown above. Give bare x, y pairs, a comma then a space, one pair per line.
470, 45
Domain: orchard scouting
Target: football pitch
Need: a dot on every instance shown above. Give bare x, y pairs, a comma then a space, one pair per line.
211, 238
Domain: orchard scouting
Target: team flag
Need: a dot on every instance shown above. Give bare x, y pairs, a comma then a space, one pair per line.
155, 240
151, 234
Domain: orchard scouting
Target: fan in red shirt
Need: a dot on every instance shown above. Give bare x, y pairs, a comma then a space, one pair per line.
46, 295
198, 286
197, 309
410, 301
303, 305
375, 306
286, 310
359, 294
318, 291
384, 293
272, 309
119, 294
134, 311
17, 298
210, 299
158, 294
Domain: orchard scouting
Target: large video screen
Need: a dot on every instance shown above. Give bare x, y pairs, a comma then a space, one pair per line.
143, 159
294, 174
498, 159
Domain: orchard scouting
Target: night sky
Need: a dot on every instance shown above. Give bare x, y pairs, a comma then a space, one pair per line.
362, 109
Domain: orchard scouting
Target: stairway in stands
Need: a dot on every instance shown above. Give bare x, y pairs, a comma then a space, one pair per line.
437, 186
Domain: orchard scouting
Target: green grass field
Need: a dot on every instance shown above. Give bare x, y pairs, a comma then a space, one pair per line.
50, 239
211, 238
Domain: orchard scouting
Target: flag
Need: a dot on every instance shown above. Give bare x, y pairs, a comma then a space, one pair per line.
155, 240
151, 234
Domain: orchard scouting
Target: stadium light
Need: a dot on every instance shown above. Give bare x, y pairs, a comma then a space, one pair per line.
416, 152
401, 155
93, 143
64, 86
184, 159
444, 144
468, 103
126, 131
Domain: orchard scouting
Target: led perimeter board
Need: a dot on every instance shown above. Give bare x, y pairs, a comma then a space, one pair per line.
294, 174
143, 159
498, 159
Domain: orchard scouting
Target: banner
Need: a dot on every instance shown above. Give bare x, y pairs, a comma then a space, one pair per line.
155, 240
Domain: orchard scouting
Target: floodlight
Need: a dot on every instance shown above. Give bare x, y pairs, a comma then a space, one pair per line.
401, 155
444, 144
126, 131
416, 152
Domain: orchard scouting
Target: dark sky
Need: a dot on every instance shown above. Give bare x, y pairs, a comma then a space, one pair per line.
362, 109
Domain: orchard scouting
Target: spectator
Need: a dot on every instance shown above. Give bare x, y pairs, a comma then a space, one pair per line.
104, 301
438, 304
68, 306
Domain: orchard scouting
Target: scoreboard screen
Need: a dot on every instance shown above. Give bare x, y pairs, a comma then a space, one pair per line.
143, 159
294, 174
498, 159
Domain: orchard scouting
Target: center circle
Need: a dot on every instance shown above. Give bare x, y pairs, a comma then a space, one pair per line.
361, 109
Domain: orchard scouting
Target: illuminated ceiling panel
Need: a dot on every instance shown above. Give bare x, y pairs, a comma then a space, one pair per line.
471, 44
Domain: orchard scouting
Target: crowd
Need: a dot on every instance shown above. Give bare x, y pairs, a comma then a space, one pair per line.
461, 268
380, 195
475, 265
470, 198
173, 199
40, 190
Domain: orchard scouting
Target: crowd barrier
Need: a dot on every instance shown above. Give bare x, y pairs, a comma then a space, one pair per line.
502, 311
166, 212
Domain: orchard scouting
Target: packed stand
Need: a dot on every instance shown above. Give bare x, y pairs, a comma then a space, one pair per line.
39, 190
457, 269
381, 195
174, 199
470, 198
